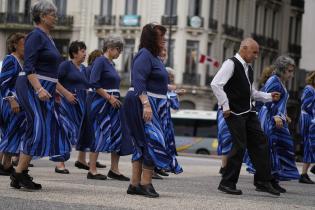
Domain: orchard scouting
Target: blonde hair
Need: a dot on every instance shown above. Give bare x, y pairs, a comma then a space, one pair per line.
265, 74
310, 79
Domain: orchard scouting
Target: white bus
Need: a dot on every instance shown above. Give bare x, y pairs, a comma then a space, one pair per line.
195, 131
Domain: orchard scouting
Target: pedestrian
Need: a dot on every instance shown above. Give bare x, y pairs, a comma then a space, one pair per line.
275, 123
145, 109
104, 110
72, 76
307, 127
36, 87
233, 87
13, 117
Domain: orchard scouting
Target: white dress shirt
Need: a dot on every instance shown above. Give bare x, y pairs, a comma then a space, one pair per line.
222, 77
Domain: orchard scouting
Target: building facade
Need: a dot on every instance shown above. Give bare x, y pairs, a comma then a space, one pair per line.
210, 27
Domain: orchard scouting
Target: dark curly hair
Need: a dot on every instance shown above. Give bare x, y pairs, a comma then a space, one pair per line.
12, 40
75, 47
150, 36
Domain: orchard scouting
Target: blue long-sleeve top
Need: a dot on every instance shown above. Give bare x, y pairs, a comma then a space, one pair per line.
148, 74
276, 108
40, 54
104, 74
71, 77
8, 75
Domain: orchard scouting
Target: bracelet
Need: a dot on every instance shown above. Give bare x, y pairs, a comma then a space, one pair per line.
145, 102
40, 89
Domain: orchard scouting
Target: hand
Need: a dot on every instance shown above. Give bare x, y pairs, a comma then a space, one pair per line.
57, 98
171, 87
278, 121
226, 113
147, 113
114, 101
288, 119
15, 107
275, 96
71, 98
43, 95
180, 92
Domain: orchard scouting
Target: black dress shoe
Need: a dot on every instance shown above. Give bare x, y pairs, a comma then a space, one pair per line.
149, 191
99, 165
80, 165
305, 179
119, 177
156, 176
161, 172
266, 187
229, 190
6, 172
96, 176
24, 180
278, 187
62, 171
313, 169
135, 190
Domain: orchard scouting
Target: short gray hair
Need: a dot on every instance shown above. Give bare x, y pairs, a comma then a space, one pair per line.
281, 64
113, 41
42, 7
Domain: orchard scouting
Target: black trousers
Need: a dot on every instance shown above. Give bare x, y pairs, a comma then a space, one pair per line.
246, 133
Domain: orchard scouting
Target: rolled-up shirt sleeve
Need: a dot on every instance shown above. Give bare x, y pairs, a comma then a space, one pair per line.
218, 82
141, 70
33, 45
261, 96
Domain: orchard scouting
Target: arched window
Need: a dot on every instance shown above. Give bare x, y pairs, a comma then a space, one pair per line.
187, 105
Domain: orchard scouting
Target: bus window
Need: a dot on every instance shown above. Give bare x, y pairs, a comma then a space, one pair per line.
183, 127
206, 128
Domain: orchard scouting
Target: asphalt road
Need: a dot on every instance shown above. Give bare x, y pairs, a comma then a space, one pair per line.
195, 188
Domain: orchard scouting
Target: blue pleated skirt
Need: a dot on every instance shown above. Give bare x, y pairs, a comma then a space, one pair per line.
106, 123
281, 148
307, 131
224, 135
45, 135
149, 138
13, 129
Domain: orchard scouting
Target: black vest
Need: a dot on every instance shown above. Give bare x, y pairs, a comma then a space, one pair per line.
238, 89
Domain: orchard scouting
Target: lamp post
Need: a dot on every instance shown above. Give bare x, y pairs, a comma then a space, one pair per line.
170, 33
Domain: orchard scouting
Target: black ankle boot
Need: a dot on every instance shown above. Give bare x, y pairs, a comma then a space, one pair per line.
24, 180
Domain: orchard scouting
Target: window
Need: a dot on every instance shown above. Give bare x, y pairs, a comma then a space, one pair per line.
227, 11
187, 105
13, 6
256, 19
265, 22
128, 55
168, 5
237, 12
106, 7
195, 128
192, 56
297, 30
291, 30
194, 8
170, 53
211, 9
273, 27
27, 7
61, 7
131, 7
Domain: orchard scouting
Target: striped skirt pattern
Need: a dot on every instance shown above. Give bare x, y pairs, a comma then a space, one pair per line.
281, 148
224, 136
106, 124
44, 135
13, 129
307, 130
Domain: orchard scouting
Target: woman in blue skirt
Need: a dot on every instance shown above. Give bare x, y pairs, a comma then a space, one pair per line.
274, 122
104, 110
35, 88
13, 118
145, 109
307, 127
72, 76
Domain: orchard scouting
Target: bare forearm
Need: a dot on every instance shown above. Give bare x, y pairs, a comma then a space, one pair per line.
103, 93
32, 78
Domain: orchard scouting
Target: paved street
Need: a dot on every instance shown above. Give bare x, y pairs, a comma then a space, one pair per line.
196, 188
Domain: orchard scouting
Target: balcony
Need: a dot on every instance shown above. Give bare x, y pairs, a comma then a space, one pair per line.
295, 49
195, 21
169, 20
213, 24
20, 20
108, 20
265, 41
298, 3
191, 79
233, 31
130, 20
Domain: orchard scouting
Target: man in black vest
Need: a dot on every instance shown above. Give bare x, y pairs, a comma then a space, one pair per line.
233, 87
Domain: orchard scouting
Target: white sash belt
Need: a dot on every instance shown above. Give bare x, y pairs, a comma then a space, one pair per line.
41, 77
107, 90
155, 95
